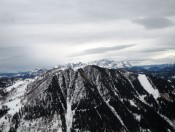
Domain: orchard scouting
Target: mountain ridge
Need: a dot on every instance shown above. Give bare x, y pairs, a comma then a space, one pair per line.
97, 99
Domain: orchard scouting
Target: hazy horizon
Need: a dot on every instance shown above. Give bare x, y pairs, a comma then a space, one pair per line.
132, 62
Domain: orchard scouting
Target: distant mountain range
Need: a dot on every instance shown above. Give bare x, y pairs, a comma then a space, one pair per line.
101, 63
104, 63
29, 74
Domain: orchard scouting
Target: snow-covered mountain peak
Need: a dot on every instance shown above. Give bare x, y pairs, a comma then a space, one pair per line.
104, 63
37, 72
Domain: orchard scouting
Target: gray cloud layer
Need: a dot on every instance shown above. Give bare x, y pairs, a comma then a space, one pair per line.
106, 49
57, 11
41, 32
154, 23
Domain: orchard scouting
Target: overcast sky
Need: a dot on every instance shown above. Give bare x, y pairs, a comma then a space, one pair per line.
44, 33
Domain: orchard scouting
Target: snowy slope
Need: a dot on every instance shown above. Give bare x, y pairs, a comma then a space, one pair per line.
12, 101
147, 86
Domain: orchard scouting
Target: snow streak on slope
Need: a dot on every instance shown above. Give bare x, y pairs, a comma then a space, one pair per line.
116, 114
147, 86
69, 116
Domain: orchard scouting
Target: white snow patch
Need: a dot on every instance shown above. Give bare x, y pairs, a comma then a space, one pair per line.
142, 98
137, 117
147, 86
14, 106
132, 103
17, 84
